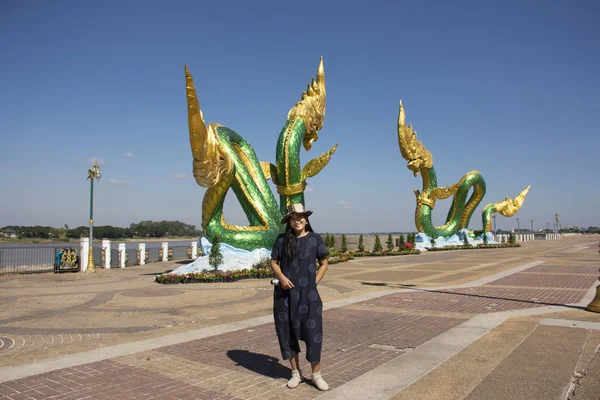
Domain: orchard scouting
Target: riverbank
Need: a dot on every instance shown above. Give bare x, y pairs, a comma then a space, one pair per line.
58, 241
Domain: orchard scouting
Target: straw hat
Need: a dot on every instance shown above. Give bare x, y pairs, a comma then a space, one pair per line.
296, 208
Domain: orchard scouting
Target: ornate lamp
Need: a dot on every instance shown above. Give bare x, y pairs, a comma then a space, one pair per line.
92, 173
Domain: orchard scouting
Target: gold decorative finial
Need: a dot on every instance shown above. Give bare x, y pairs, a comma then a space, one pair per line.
312, 107
412, 150
314, 166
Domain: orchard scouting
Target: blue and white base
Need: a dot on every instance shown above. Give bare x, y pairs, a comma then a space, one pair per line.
234, 259
423, 242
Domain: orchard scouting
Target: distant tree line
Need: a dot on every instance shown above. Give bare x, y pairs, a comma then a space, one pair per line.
143, 229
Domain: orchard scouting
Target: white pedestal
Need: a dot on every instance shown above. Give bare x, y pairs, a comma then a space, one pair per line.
194, 250
142, 253
106, 251
84, 253
122, 254
165, 249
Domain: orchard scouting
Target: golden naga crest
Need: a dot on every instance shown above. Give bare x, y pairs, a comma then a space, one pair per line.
412, 150
211, 164
312, 107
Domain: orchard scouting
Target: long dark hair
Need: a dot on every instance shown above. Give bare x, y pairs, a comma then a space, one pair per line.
289, 239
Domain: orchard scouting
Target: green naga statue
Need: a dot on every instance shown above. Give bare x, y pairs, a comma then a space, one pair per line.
420, 161
222, 159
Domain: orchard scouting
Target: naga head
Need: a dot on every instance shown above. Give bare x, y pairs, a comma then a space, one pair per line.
312, 107
509, 207
412, 150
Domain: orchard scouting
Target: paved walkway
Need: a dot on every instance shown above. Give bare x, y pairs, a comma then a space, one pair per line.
505, 324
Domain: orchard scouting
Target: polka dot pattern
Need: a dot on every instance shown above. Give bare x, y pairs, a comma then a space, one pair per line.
298, 311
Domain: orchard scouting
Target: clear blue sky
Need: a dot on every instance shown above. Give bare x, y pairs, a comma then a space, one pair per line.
507, 88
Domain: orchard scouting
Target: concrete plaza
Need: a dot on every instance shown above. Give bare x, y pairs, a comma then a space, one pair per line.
474, 324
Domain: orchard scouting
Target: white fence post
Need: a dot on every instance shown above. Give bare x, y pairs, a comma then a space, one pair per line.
194, 250
122, 255
165, 248
107, 253
142, 253
84, 253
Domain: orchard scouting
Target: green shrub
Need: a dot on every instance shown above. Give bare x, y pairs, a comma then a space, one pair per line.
215, 258
377, 247
361, 244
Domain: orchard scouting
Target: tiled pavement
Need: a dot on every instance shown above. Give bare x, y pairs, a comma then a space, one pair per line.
245, 364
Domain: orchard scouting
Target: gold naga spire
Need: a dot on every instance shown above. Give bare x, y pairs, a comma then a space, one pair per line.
412, 149
210, 163
312, 107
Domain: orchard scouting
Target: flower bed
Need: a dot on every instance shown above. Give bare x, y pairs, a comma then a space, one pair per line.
336, 257
215, 276
262, 269
385, 253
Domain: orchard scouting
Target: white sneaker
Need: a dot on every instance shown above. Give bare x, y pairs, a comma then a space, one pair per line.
295, 379
319, 382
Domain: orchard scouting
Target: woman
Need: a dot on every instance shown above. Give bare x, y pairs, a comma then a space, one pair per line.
297, 306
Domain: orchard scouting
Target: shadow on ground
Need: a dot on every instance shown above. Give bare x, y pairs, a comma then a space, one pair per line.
259, 363
159, 273
453, 292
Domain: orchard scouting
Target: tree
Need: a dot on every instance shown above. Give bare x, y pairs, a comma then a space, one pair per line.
390, 242
377, 247
344, 244
215, 258
329, 241
413, 238
512, 238
361, 244
401, 245
485, 238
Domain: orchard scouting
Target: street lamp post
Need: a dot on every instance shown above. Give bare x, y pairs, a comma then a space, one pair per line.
531, 226
494, 218
92, 173
518, 229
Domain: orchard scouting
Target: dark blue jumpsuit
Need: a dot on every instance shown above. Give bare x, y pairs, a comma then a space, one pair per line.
298, 313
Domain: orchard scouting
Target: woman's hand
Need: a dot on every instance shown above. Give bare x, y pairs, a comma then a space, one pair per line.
286, 283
